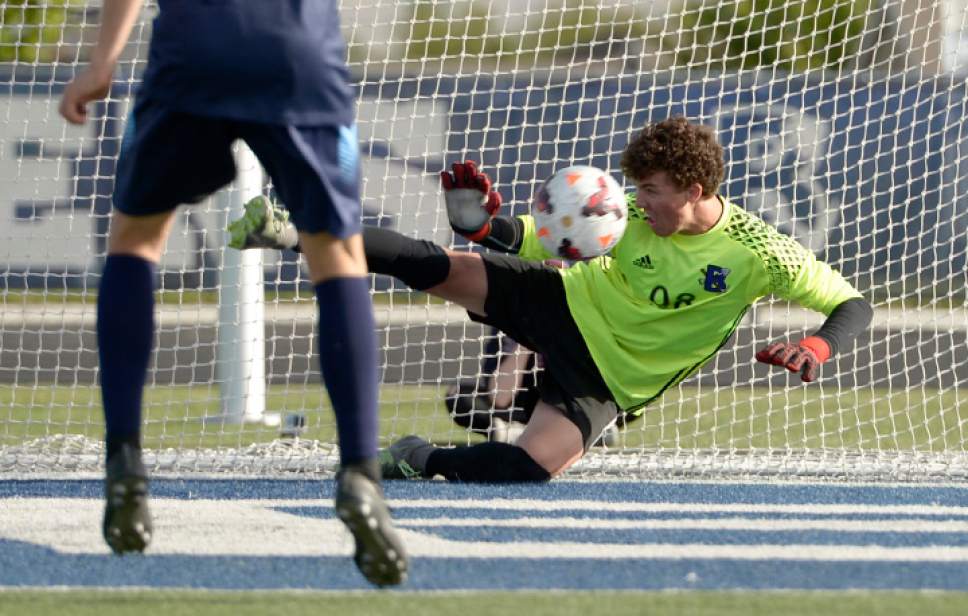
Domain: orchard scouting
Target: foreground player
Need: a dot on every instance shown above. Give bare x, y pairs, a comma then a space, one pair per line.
271, 73
617, 331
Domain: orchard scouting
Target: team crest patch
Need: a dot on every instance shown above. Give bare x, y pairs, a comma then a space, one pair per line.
715, 281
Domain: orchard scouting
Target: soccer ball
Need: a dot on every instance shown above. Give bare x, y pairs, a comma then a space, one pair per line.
579, 213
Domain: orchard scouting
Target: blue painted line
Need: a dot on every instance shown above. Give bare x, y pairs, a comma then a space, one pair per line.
24, 564
636, 536
636, 492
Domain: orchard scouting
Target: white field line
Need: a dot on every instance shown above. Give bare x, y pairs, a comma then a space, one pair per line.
751, 524
528, 505
56, 316
202, 527
433, 546
807, 508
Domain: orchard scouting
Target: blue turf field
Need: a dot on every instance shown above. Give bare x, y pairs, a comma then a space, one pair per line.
281, 534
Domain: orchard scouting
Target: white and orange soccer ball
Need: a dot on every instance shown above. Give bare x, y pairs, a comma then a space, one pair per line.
579, 213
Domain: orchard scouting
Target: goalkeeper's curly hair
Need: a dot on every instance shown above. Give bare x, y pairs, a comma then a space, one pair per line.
688, 153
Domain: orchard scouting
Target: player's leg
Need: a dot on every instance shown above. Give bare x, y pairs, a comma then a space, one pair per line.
526, 301
347, 342
556, 437
125, 331
507, 380
549, 445
499, 402
348, 359
315, 171
420, 264
551, 439
166, 159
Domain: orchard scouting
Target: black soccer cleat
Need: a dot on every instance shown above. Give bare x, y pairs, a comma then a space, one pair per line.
405, 459
380, 555
127, 522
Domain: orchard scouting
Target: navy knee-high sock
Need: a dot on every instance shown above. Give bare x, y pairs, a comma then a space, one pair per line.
125, 332
348, 357
485, 463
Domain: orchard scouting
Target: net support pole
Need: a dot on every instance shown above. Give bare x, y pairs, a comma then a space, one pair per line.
240, 353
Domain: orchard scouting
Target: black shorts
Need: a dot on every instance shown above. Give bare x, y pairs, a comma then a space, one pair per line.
526, 300
168, 158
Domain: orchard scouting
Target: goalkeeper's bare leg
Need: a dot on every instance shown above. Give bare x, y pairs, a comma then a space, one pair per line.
348, 359
266, 225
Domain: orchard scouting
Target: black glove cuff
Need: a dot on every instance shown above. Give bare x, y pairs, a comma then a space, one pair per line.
845, 322
507, 234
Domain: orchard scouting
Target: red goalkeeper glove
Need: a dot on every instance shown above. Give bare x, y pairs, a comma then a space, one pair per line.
471, 201
804, 357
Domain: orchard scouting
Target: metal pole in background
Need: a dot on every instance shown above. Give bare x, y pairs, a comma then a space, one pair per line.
240, 354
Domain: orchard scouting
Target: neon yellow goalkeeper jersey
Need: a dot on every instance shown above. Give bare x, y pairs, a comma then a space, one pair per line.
655, 309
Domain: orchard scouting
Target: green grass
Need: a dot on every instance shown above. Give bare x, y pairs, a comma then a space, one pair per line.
808, 417
173, 415
704, 418
377, 603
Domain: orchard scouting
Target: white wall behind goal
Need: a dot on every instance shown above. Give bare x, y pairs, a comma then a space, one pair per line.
50, 233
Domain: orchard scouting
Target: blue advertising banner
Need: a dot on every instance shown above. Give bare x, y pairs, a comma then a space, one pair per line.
869, 175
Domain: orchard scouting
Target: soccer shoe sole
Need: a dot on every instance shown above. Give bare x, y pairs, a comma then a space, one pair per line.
251, 223
127, 522
379, 555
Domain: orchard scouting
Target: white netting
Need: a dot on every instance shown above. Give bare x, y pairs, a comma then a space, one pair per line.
843, 123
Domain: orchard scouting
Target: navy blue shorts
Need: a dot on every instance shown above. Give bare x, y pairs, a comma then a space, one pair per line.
169, 158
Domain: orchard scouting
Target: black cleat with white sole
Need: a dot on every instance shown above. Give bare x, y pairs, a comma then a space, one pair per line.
127, 522
380, 555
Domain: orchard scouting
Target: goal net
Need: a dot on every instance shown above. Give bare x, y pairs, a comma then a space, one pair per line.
843, 124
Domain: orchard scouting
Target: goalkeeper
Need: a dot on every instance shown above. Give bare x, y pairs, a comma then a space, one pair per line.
617, 331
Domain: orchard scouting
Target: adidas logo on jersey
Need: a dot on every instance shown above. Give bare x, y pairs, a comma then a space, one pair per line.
645, 262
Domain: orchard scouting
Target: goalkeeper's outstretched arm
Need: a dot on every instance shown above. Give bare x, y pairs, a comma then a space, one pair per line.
847, 320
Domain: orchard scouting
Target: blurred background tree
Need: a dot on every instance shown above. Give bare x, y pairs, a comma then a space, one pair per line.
788, 36
724, 35
34, 30
466, 29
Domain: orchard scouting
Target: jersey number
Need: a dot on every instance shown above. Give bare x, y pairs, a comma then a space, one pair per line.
661, 298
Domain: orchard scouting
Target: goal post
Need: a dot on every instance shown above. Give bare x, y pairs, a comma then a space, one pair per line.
240, 347
843, 126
